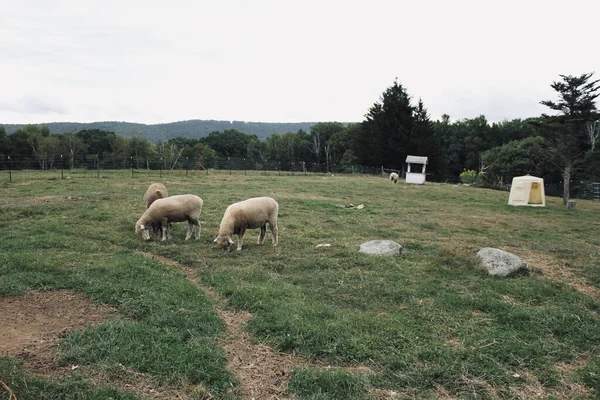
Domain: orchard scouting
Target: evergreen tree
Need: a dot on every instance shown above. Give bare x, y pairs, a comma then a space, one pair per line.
386, 132
423, 141
565, 133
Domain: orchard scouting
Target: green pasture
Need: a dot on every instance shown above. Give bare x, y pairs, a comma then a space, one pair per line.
427, 324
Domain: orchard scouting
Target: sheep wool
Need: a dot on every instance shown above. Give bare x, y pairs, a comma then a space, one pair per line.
253, 213
155, 191
184, 207
394, 177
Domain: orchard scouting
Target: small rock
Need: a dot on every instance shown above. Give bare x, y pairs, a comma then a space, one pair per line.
381, 247
501, 263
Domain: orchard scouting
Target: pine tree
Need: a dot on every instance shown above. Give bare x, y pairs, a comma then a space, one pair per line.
385, 134
566, 132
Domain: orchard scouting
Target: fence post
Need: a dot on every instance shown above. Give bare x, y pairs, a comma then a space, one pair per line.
131, 160
9, 171
97, 166
160, 166
62, 168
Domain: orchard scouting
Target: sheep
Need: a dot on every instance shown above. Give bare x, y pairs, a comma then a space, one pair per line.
248, 214
155, 191
394, 177
184, 207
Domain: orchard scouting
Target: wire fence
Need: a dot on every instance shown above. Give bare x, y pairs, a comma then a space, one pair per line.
163, 166
66, 166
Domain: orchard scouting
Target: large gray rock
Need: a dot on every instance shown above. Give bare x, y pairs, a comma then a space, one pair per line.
381, 247
501, 263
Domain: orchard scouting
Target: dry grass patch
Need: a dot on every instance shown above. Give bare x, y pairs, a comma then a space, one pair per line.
551, 268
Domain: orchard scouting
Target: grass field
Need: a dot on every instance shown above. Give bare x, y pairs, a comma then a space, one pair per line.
186, 320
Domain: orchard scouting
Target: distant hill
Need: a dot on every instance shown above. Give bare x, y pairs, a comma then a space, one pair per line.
193, 129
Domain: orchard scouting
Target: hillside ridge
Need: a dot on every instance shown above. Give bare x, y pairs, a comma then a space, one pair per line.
193, 129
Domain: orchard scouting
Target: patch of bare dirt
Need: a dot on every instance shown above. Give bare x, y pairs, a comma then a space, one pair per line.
262, 373
33, 323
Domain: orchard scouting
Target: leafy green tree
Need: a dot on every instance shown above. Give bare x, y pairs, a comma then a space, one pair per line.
19, 149
49, 150
97, 140
516, 158
118, 153
229, 143
508, 131
201, 155
169, 153
140, 150
476, 135
71, 146
565, 132
319, 145
345, 145
256, 152
273, 148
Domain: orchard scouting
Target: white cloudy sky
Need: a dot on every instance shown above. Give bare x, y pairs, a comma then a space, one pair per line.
286, 60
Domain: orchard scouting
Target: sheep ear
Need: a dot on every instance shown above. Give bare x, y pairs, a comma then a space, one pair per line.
230, 241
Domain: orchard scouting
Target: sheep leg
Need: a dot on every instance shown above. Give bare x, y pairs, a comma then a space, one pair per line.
165, 232
274, 236
240, 238
263, 234
190, 230
197, 229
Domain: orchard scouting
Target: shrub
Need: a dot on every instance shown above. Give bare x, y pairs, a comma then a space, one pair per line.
471, 177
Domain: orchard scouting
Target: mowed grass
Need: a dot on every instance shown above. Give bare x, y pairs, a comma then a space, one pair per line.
428, 324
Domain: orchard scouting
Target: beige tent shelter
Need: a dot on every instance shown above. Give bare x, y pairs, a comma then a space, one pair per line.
416, 177
527, 191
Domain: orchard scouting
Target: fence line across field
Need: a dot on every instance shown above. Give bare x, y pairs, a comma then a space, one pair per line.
159, 167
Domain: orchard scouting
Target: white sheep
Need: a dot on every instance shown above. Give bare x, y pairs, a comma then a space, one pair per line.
155, 191
248, 214
184, 207
394, 177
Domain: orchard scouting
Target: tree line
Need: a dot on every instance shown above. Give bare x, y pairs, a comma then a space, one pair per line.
558, 147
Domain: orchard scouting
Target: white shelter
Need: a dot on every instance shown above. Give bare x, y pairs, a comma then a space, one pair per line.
527, 191
415, 177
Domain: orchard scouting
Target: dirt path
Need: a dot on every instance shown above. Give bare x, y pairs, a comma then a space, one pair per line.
262, 373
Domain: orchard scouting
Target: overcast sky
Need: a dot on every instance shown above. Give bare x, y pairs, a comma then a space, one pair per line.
286, 60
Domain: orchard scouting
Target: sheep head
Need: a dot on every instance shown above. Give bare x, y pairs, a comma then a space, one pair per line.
143, 231
224, 241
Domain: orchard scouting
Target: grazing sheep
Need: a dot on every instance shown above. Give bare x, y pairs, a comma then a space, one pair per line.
248, 214
184, 207
155, 191
394, 177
